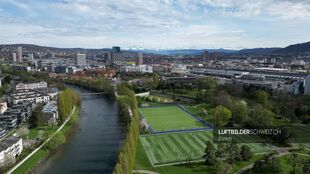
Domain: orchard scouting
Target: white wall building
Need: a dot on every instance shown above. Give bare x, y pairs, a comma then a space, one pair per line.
29, 95
178, 69
80, 59
137, 69
11, 147
14, 57
51, 108
36, 85
30, 57
1, 80
3, 107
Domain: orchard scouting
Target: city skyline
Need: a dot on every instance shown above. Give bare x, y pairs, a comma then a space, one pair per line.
155, 24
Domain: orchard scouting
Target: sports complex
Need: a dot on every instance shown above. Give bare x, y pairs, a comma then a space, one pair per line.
178, 136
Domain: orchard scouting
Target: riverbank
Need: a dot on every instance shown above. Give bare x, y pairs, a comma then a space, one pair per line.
41, 153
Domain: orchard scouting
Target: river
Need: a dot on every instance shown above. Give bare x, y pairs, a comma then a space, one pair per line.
93, 146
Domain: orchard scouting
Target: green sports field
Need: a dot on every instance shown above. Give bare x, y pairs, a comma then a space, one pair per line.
170, 148
169, 118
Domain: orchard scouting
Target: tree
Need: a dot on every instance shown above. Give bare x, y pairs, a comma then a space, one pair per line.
267, 164
262, 97
239, 112
9, 160
155, 80
246, 153
260, 116
233, 153
209, 155
306, 167
57, 140
294, 160
221, 167
36, 117
221, 115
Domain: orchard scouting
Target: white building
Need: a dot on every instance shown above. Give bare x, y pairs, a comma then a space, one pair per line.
1, 80
301, 86
36, 85
14, 57
10, 148
137, 69
80, 59
29, 95
30, 57
178, 69
298, 62
51, 109
3, 107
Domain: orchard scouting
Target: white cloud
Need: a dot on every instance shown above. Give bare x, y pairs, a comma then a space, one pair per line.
151, 23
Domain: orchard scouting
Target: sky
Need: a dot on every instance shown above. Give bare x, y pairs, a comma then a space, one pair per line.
155, 24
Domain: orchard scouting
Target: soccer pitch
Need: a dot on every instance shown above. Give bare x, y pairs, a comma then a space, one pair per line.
180, 147
167, 118
175, 147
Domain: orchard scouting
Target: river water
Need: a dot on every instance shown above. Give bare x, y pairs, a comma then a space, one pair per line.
94, 144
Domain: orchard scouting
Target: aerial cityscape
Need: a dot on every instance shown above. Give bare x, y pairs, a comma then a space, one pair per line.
155, 87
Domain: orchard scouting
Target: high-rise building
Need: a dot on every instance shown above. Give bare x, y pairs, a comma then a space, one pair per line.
19, 54
139, 60
116, 49
108, 58
80, 59
14, 57
30, 57
205, 56
116, 55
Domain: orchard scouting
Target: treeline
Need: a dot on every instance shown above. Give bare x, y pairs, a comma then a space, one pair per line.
128, 108
67, 99
98, 85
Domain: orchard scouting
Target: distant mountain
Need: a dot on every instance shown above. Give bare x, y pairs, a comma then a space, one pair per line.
258, 51
182, 51
302, 48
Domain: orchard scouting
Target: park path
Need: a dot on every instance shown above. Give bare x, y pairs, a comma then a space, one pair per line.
281, 152
143, 172
44, 143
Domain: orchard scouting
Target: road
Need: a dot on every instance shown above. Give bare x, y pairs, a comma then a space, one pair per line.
44, 143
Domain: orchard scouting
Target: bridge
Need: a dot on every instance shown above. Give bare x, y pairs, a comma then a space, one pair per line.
92, 93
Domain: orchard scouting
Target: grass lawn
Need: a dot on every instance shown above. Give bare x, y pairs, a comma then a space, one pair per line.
28, 165
170, 118
204, 111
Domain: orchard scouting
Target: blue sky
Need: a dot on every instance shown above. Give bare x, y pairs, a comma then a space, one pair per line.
155, 24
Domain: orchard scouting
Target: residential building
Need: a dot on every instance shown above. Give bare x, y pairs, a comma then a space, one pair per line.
29, 95
1, 81
139, 60
14, 57
36, 85
21, 68
2, 130
95, 73
10, 121
3, 106
51, 109
30, 57
11, 147
80, 59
